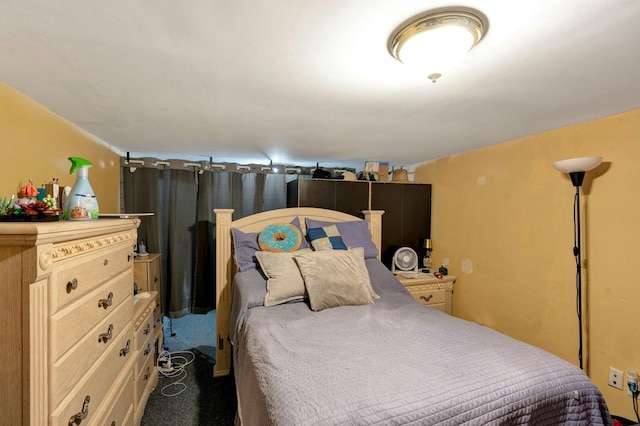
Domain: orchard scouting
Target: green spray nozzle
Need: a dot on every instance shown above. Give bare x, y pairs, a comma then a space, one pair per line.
78, 162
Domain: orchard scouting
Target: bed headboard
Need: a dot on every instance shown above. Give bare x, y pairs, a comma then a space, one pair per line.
226, 268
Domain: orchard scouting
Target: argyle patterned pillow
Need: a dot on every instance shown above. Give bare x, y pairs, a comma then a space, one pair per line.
326, 238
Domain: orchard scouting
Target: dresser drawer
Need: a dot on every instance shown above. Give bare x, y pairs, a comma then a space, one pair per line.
429, 297
157, 318
143, 328
68, 370
120, 409
95, 386
442, 307
70, 324
144, 354
147, 376
75, 277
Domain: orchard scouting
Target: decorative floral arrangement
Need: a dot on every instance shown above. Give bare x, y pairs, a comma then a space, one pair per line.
27, 207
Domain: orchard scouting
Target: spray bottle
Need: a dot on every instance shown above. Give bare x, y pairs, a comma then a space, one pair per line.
82, 203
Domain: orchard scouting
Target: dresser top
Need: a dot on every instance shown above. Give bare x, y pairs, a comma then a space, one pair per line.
36, 233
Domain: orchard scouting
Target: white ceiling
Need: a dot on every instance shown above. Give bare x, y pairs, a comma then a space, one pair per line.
301, 82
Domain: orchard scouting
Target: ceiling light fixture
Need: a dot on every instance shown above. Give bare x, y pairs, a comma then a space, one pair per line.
438, 41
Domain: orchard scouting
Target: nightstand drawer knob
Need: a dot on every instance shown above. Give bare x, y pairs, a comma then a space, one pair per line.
427, 299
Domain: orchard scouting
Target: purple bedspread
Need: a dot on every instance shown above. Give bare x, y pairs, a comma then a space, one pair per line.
394, 362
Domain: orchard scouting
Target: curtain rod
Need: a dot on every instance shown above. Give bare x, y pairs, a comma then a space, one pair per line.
201, 166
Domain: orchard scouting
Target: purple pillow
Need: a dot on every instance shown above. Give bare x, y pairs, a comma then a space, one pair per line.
354, 234
245, 246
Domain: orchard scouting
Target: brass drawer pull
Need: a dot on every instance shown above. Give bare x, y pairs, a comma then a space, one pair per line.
105, 337
147, 375
106, 262
124, 351
426, 299
105, 303
77, 418
147, 329
148, 350
72, 285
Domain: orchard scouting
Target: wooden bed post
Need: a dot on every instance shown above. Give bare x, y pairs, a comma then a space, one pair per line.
223, 291
374, 217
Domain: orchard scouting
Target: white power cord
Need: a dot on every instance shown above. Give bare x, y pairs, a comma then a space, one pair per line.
172, 365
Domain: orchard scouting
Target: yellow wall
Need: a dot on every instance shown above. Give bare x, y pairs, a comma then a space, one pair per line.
35, 144
505, 209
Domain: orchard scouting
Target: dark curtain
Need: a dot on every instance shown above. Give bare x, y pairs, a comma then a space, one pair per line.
144, 192
181, 241
182, 228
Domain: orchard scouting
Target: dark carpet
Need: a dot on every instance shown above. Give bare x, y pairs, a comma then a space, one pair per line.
205, 400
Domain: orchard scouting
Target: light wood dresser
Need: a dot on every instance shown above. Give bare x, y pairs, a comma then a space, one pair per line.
431, 291
67, 313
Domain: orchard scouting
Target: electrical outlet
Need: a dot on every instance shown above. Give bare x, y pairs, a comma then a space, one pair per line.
615, 378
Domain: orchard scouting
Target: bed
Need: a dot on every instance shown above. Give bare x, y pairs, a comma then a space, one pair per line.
388, 362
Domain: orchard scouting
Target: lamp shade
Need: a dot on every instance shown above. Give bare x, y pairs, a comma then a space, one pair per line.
580, 164
438, 50
437, 42
427, 244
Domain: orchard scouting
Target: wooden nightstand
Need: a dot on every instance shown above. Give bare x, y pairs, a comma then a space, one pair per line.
146, 272
431, 291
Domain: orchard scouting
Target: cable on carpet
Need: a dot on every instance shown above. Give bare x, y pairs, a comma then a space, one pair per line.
173, 365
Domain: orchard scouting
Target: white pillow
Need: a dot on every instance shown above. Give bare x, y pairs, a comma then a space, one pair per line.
284, 283
333, 278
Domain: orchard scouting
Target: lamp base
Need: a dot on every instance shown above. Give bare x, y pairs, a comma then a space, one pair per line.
426, 264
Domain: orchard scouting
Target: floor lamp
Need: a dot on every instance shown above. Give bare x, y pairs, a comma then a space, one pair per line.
576, 168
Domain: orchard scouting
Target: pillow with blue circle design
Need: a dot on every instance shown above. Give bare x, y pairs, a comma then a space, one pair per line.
280, 238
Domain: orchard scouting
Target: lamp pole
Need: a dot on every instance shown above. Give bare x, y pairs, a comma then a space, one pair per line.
576, 179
